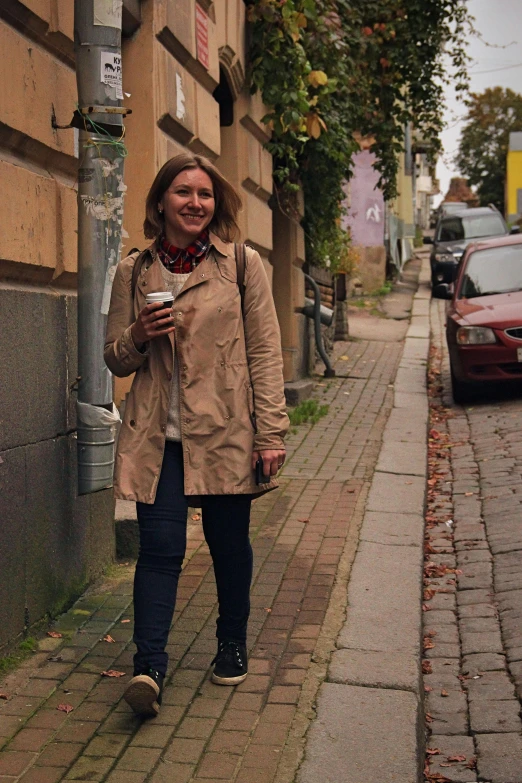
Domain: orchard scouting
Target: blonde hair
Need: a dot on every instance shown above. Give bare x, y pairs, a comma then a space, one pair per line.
227, 199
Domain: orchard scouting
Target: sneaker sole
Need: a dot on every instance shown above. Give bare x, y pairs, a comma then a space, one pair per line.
142, 695
228, 680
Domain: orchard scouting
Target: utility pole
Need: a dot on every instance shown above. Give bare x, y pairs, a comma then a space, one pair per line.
99, 117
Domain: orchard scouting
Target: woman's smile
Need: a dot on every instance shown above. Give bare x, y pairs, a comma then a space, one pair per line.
188, 206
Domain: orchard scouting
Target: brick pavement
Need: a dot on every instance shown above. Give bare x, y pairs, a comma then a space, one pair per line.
473, 597
304, 537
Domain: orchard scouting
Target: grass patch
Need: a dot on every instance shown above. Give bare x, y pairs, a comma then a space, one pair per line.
23, 651
308, 411
385, 288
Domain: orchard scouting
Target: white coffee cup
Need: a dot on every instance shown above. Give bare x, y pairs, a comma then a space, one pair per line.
166, 297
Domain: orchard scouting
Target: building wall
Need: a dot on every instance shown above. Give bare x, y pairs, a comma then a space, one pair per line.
52, 542
514, 185
365, 218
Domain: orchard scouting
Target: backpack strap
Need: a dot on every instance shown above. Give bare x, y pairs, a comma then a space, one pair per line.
136, 269
240, 255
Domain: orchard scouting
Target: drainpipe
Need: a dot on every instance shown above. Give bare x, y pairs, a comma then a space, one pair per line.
99, 118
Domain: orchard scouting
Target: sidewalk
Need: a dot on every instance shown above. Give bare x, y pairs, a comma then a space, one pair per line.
64, 720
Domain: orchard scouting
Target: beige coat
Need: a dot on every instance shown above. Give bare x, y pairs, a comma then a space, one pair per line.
231, 381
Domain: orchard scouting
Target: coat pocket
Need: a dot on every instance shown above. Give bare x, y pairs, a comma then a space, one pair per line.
251, 405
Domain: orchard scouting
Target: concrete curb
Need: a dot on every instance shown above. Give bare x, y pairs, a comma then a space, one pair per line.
370, 717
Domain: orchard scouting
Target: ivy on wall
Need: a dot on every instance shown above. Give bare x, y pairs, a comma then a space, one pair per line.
328, 69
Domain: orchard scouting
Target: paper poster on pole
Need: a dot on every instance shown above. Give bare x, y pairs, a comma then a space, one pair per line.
111, 71
107, 13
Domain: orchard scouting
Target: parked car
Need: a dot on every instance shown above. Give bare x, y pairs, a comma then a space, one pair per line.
484, 318
446, 208
455, 232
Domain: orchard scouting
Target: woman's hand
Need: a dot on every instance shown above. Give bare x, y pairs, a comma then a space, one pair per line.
152, 321
273, 460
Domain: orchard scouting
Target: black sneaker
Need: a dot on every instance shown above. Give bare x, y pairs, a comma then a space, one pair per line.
231, 663
144, 692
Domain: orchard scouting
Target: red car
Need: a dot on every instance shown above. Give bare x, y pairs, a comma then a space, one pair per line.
484, 318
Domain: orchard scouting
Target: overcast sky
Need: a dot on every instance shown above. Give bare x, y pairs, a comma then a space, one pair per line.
500, 24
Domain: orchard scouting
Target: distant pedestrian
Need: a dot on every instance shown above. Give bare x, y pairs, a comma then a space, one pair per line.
205, 404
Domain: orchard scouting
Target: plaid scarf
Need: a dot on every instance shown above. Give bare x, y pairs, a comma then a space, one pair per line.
185, 259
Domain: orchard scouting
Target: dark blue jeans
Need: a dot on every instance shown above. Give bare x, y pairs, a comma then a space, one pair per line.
163, 537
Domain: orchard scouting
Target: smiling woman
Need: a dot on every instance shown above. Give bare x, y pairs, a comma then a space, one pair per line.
205, 408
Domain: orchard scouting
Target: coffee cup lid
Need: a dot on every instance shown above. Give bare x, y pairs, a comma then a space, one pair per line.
159, 296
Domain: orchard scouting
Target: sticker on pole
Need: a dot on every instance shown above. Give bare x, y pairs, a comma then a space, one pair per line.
107, 13
111, 72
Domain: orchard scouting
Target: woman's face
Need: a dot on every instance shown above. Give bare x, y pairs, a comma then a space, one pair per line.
188, 206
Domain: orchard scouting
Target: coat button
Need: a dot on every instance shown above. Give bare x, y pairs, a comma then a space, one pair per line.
132, 423
227, 418
180, 314
220, 309
202, 275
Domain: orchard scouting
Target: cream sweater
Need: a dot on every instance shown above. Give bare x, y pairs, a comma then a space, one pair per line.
174, 282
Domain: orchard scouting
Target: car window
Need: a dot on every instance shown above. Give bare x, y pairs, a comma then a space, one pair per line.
496, 270
455, 229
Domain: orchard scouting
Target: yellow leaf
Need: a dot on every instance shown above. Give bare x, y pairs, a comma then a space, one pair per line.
317, 78
313, 101
313, 126
295, 36
301, 20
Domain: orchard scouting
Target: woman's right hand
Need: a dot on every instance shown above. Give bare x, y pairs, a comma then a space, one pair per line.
153, 321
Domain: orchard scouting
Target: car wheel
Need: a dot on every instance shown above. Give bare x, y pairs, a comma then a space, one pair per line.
462, 391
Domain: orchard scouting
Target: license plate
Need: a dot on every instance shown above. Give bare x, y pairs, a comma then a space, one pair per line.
519, 354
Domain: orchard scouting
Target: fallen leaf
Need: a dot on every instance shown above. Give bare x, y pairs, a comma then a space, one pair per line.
428, 644
55, 658
267, 609
4, 696
196, 517
432, 752
456, 758
468, 494
444, 692
54, 634
428, 689
108, 638
112, 673
429, 719
426, 667
125, 621
303, 520
344, 358
67, 708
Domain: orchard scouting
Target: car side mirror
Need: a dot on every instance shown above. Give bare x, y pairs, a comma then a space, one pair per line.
442, 291
515, 230
427, 241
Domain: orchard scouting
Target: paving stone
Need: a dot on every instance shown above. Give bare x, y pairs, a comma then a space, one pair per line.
468, 597
477, 610
371, 726
498, 757
487, 716
483, 662
481, 642
494, 686
450, 746
375, 669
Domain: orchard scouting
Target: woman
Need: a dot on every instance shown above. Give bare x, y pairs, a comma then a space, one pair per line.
206, 403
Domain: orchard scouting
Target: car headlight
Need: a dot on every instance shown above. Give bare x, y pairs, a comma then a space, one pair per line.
444, 257
475, 335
